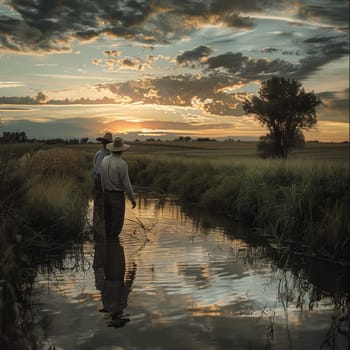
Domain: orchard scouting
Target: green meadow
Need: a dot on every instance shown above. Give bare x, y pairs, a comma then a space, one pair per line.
301, 202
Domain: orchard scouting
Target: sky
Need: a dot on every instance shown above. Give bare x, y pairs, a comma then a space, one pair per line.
167, 68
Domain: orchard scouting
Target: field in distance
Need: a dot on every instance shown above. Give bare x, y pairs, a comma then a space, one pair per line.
245, 149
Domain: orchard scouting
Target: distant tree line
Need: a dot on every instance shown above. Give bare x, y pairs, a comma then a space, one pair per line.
21, 137
41, 98
199, 139
13, 137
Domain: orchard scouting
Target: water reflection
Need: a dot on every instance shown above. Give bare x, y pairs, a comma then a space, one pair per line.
202, 282
113, 281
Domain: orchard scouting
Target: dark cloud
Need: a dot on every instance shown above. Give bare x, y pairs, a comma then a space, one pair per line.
197, 54
112, 53
335, 106
206, 93
320, 51
236, 21
132, 63
333, 12
244, 66
51, 26
292, 52
325, 46
273, 50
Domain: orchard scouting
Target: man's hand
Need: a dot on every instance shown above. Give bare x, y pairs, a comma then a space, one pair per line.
133, 203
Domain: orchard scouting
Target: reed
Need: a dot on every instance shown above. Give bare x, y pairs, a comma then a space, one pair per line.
57, 162
56, 207
300, 201
14, 273
42, 207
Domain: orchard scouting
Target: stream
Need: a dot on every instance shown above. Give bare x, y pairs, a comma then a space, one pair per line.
179, 278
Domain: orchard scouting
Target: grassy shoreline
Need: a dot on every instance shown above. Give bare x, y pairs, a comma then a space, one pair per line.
299, 202
42, 208
302, 201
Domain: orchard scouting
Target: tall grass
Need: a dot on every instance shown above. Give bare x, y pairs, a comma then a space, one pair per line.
42, 207
299, 201
57, 194
56, 207
14, 273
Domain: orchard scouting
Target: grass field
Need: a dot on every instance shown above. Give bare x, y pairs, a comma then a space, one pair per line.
330, 152
304, 199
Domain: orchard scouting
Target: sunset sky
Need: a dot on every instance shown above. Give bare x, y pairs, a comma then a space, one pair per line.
172, 68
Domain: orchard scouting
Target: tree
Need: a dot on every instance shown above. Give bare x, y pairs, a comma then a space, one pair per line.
41, 97
13, 137
267, 148
285, 109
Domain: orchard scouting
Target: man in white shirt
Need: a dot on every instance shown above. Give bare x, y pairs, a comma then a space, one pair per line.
96, 174
115, 183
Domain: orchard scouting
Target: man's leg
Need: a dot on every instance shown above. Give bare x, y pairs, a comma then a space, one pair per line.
114, 213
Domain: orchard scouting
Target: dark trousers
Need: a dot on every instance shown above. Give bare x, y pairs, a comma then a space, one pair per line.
114, 212
97, 195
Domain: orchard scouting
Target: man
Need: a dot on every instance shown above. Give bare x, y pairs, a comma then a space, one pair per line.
96, 173
115, 182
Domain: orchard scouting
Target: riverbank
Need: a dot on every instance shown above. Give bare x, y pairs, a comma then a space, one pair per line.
299, 203
42, 208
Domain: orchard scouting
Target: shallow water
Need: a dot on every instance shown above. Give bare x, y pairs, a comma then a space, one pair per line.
191, 281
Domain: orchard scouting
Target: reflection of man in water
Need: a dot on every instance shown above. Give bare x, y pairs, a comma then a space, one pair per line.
98, 264
116, 286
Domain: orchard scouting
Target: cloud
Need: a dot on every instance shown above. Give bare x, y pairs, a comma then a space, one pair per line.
248, 67
199, 53
126, 62
327, 46
48, 27
317, 50
335, 106
112, 53
320, 51
9, 84
333, 12
269, 50
203, 92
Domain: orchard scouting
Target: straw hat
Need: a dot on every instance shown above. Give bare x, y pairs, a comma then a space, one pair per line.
117, 145
107, 137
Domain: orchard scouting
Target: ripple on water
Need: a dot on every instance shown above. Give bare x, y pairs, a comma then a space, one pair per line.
181, 283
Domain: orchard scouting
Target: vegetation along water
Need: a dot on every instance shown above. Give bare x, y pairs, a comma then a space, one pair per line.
299, 205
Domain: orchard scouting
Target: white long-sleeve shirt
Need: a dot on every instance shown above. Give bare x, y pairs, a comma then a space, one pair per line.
100, 154
115, 175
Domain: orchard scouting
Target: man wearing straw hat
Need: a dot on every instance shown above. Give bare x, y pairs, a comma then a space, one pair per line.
115, 183
96, 173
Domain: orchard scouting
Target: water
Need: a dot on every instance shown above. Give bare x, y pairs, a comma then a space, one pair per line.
191, 281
